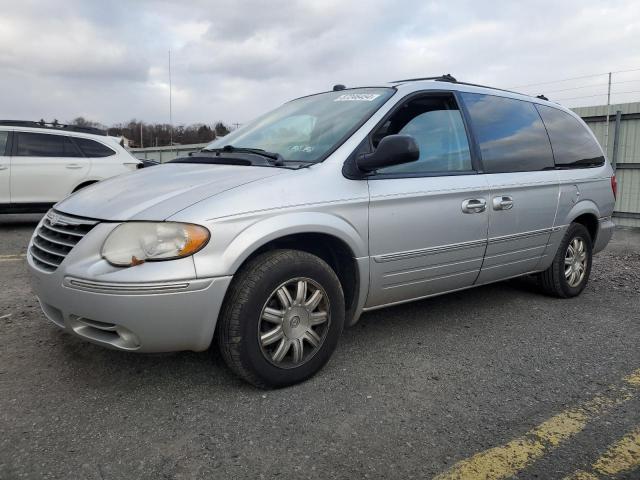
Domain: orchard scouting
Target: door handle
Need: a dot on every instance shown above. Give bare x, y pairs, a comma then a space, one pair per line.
3, 167
73, 166
503, 202
474, 205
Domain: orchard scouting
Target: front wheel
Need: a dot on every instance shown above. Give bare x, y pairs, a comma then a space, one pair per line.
282, 318
569, 273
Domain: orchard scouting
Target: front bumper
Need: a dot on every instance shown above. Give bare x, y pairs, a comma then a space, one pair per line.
154, 307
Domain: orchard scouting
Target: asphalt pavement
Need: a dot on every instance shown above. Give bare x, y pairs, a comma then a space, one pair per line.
494, 382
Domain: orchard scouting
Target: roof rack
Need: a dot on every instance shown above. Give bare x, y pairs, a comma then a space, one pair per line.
449, 78
52, 126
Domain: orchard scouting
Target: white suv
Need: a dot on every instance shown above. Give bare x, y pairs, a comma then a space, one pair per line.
40, 164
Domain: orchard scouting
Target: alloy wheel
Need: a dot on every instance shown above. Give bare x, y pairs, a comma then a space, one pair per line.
294, 322
575, 262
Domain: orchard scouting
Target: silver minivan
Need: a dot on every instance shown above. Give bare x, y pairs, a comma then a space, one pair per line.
275, 237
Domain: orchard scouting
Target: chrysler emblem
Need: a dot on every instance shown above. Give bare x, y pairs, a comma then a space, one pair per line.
54, 219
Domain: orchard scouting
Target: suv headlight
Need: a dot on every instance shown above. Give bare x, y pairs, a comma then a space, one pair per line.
133, 243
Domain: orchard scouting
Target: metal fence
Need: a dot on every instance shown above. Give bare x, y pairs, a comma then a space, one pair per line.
164, 154
623, 151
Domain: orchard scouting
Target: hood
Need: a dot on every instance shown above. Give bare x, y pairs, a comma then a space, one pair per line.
158, 192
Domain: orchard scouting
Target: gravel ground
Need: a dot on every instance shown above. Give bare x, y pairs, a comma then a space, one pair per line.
410, 390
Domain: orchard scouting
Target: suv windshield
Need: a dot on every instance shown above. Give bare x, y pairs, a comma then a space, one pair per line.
309, 128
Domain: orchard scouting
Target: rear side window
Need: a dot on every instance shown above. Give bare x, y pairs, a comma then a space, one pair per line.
510, 133
3, 142
44, 145
93, 149
573, 145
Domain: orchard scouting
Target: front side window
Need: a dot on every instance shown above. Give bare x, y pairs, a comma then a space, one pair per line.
3, 142
44, 145
510, 133
309, 128
573, 145
437, 127
93, 149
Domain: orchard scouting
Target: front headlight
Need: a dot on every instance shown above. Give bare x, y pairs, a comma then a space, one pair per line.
133, 243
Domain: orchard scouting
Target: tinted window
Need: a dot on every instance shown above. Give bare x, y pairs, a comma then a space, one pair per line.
44, 145
510, 133
3, 142
437, 127
573, 144
93, 149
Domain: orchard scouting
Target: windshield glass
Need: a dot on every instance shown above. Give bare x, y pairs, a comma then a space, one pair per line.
308, 128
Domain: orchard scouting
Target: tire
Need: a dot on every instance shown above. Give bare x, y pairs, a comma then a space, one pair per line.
554, 281
255, 307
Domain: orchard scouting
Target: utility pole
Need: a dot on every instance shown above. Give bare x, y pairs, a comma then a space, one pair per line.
616, 140
606, 132
171, 108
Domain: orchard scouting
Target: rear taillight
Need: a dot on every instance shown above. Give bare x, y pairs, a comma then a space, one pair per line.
614, 186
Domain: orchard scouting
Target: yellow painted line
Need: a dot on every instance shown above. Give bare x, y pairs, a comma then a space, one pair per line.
507, 460
634, 378
12, 258
580, 475
622, 456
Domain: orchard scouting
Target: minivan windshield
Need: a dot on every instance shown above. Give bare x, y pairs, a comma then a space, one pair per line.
309, 128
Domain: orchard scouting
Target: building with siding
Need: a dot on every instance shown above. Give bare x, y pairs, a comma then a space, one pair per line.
627, 154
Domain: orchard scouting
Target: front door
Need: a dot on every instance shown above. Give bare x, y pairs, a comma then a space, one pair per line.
427, 219
45, 167
519, 168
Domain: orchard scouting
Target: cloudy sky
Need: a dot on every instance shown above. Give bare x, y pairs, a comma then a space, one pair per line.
107, 60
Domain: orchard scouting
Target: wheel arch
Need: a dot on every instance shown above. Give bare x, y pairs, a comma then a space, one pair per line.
586, 213
329, 237
84, 184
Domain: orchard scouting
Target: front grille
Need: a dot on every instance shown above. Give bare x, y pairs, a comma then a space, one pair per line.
55, 238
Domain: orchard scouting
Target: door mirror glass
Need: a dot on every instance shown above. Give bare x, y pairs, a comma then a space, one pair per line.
392, 150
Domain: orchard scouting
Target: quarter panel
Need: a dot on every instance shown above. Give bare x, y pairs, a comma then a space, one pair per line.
582, 191
592, 185
107, 167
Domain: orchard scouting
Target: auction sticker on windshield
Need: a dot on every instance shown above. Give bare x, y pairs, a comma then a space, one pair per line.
357, 97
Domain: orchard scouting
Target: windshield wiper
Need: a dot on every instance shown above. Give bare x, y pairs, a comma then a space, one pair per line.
275, 158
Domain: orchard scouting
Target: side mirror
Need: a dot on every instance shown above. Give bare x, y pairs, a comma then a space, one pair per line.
392, 150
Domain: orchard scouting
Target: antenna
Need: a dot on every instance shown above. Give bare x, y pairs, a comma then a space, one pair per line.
170, 105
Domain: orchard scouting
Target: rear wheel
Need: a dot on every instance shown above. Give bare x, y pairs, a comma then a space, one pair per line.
282, 318
569, 273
